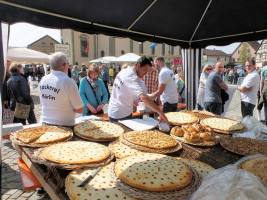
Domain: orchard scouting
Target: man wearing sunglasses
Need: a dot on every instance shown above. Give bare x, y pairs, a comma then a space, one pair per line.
212, 98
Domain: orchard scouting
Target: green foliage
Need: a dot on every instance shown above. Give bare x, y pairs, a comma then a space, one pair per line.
244, 53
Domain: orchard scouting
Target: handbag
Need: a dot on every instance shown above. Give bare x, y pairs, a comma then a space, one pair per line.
8, 115
22, 111
89, 111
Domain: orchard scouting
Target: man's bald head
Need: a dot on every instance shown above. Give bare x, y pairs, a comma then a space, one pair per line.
219, 67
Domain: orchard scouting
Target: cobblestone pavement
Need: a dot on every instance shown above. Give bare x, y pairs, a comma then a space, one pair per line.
11, 187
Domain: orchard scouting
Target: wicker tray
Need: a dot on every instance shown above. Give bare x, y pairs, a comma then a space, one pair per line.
32, 144
181, 194
213, 142
150, 150
38, 158
95, 140
244, 146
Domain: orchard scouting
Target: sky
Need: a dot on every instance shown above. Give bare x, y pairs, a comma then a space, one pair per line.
23, 34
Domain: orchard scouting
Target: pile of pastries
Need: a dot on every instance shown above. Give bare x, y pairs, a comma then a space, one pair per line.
193, 133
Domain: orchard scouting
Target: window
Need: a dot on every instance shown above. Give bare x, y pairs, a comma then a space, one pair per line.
163, 49
238, 51
122, 52
43, 44
84, 45
225, 59
51, 44
102, 53
248, 50
218, 58
153, 51
141, 47
233, 59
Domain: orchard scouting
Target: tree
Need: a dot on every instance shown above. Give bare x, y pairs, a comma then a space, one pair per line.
244, 53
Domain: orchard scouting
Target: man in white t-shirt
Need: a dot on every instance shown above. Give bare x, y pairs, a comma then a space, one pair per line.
249, 88
59, 94
126, 88
167, 87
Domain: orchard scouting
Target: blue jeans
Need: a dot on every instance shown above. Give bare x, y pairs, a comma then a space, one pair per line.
169, 107
113, 120
247, 108
215, 108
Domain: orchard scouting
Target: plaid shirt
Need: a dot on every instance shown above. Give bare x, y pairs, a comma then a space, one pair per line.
151, 80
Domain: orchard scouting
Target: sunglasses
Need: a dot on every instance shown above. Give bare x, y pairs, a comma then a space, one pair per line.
209, 69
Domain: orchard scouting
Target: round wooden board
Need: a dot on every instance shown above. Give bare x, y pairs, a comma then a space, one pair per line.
182, 194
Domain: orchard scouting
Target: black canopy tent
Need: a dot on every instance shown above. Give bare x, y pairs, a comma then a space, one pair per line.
191, 24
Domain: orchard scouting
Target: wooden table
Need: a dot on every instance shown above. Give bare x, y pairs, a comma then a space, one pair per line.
135, 114
215, 156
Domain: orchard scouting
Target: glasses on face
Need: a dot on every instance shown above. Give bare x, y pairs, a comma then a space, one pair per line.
209, 69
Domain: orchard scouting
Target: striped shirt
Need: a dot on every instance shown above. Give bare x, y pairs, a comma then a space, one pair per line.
151, 80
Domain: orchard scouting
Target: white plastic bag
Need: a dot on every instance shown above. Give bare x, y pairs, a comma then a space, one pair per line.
229, 183
254, 128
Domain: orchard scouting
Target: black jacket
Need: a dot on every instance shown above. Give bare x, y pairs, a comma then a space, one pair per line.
20, 88
5, 96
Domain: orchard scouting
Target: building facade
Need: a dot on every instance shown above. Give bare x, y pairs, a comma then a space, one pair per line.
214, 56
86, 47
45, 45
252, 46
261, 53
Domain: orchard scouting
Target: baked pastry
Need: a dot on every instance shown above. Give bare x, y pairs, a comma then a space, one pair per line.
202, 168
257, 166
150, 139
102, 186
179, 118
177, 131
244, 146
223, 124
153, 172
99, 130
207, 128
121, 150
43, 134
205, 135
76, 152
198, 127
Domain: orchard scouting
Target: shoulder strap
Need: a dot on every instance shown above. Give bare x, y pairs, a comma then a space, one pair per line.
11, 89
93, 91
182, 90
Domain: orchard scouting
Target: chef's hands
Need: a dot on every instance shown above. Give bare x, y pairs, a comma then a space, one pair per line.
100, 107
162, 117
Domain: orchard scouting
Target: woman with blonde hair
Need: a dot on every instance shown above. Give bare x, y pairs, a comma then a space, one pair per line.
75, 75
207, 69
91, 90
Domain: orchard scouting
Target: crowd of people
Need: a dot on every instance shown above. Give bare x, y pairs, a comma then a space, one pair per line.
67, 90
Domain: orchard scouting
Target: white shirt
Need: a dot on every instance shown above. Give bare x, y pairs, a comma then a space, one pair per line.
169, 94
59, 97
126, 88
251, 80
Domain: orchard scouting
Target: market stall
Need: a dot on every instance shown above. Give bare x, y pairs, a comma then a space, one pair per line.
122, 143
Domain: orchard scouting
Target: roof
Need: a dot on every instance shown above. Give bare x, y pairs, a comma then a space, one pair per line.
194, 23
43, 38
214, 52
254, 44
